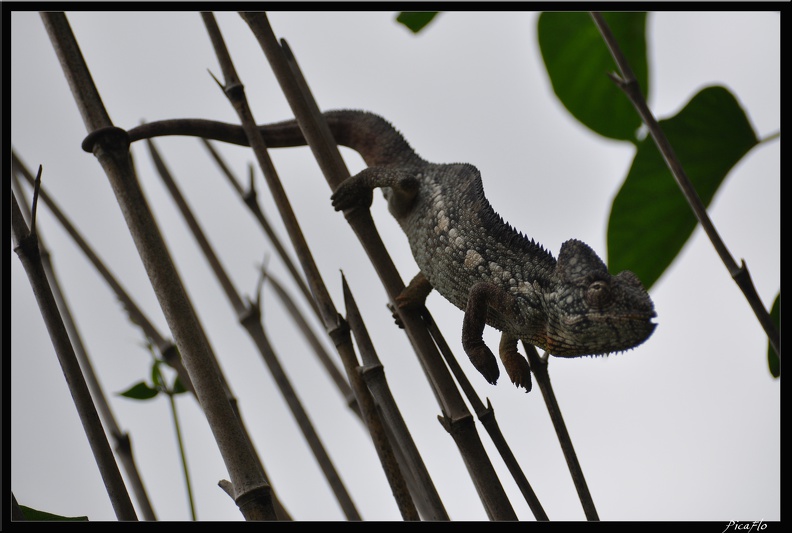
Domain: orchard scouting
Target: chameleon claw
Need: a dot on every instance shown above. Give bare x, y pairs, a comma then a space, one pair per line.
516, 365
395, 314
520, 373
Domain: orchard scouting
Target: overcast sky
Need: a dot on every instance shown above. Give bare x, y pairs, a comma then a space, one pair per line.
685, 427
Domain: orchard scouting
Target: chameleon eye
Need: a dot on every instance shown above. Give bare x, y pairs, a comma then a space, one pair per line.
598, 293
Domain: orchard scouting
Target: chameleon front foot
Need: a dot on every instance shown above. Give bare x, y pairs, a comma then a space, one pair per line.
352, 193
484, 361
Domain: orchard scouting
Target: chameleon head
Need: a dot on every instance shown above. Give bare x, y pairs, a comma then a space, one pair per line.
591, 312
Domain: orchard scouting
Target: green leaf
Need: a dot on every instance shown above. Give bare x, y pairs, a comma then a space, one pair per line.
415, 21
36, 515
578, 61
140, 391
772, 357
650, 220
157, 379
178, 387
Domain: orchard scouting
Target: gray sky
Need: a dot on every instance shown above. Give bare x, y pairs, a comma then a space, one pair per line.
685, 427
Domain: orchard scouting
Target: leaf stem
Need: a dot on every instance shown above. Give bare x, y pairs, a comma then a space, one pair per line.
182, 454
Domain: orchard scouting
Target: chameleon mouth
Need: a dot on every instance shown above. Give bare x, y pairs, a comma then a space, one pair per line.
642, 318
581, 335
603, 317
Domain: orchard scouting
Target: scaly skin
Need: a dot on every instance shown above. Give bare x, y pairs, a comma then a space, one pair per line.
569, 307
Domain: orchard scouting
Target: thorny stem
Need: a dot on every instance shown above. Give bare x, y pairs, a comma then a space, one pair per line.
26, 247
249, 198
121, 440
111, 148
427, 500
487, 418
539, 369
234, 90
166, 347
167, 350
455, 415
629, 85
335, 375
249, 317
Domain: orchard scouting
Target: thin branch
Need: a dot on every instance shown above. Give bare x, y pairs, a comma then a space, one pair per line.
111, 147
426, 498
165, 347
250, 199
628, 84
249, 317
167, 350
335, 375
34, 206
121, 439
486, 416
182, 452
539, 369
456, 417
26, 247
331, 319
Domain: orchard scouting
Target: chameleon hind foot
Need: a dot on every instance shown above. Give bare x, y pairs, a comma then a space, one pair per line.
516, 365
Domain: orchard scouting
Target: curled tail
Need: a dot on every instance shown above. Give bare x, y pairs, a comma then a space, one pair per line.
373, 137
370, 135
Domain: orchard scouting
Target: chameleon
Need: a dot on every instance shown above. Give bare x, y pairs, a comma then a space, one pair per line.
569, 307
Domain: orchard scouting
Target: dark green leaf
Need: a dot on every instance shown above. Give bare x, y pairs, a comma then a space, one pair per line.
578, 61
415, 21
140, 391
156, 376
650, 220
178, 387
772, 357
35, 515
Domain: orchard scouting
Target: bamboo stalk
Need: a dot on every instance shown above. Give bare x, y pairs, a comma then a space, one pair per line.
121, 439
249, 198
456, 418
249, 315
26, 247
252, 493
337, 328
426, 498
